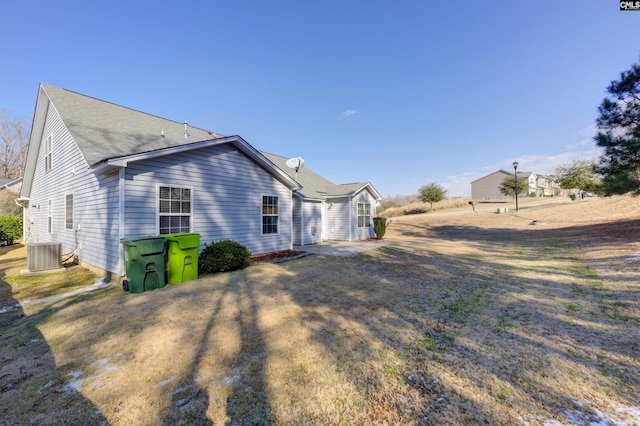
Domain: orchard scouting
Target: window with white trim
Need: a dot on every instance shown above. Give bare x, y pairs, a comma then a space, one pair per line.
68, 215
47, 153
269, 214
50, 217
364, 215
174, 209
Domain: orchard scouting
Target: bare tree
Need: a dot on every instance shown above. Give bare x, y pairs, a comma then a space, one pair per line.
14, 141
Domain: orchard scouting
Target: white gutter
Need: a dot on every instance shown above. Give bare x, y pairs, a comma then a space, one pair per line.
23, 202
121, 194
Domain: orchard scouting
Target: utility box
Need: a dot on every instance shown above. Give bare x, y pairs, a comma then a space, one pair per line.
182, 257
144, 261
43, 256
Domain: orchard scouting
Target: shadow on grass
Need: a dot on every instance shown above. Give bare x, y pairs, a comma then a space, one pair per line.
33, 390
437, 315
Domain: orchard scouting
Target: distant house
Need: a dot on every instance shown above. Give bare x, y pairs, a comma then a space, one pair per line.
532, 180
488, 187
97, 172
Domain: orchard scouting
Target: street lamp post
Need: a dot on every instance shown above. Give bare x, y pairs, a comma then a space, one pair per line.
515, 176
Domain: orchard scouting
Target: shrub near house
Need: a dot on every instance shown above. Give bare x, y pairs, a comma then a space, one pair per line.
10, 229
223, 256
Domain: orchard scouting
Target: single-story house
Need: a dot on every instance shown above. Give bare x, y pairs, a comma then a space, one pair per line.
325, 211
97, 172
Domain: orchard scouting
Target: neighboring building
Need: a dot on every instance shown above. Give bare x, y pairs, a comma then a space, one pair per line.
532, 180
488, 187
97, 172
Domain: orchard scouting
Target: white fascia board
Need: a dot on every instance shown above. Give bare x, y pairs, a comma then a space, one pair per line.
255, 155
372, 190
37, 129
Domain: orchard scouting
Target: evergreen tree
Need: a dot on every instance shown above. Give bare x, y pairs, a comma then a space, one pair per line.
619, 135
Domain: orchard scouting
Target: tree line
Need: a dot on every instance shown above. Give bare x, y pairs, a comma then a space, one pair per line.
14, 142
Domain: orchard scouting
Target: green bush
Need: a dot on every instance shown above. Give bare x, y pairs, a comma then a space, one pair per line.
533, 194
380, 226
10, 228
223, 256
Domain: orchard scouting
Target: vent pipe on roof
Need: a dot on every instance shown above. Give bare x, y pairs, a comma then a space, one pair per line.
186, 129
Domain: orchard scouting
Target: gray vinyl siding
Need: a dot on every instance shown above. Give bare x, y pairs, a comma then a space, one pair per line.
227, 189
312, 229
337, 216
297, 220
95, 201
367, 231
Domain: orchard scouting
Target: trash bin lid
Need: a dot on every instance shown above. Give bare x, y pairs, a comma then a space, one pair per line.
146, 245
185, 240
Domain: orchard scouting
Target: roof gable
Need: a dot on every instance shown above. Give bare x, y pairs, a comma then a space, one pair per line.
110, 136
504, 172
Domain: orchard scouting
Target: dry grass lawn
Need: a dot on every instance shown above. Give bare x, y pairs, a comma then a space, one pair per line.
465, 318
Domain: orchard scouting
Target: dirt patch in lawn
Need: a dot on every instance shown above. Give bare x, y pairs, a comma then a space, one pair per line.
277, 257
468, 318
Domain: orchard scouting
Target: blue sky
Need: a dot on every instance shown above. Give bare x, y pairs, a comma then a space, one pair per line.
399, 93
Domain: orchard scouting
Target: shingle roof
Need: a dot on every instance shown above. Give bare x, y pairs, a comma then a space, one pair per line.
314, 185
104, 130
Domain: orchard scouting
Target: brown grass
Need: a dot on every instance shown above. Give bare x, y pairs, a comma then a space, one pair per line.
419, 207
459, 319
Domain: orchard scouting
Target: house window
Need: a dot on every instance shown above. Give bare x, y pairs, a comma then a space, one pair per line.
47, 153
364, 215
49, 217
68, 216
174, 209
269, 214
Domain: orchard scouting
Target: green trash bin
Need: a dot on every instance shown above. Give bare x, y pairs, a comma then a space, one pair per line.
182, 257
144, 261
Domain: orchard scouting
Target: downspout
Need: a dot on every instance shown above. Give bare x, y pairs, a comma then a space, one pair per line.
291, 221
350, 218
301, 222
121, 193
24, 203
